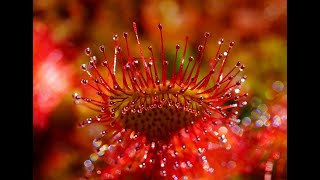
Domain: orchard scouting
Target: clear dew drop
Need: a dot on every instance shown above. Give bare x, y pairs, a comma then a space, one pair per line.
263, 107
87, 163
221, 41
231, 164
210, 170
259, 123
125, 34
76, 96
228, 146
94, 157
163, 173
76, 101
84, 67
200, 47
276, 121
256, 113
96, 143
243, 103
242, 67
102, 48
236, 129
277, 86
103, 148
87, 51
223, 130
115, 37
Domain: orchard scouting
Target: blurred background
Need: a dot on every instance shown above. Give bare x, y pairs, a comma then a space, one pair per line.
63, 29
